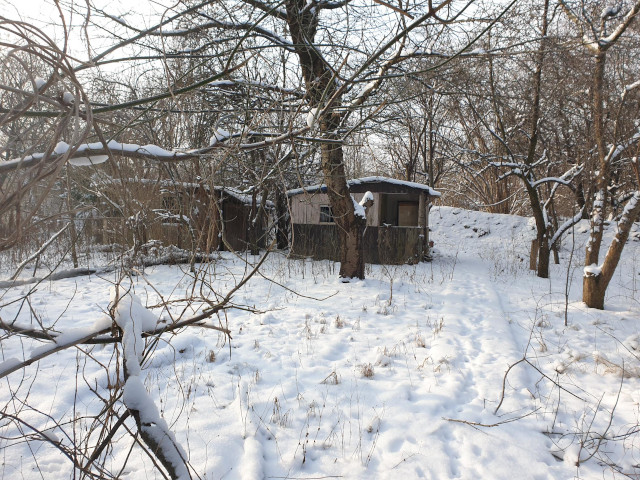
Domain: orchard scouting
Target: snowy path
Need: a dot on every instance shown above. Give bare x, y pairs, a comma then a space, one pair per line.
478, 335
471, 348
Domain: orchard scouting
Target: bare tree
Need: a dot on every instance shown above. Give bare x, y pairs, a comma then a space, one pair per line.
600, 29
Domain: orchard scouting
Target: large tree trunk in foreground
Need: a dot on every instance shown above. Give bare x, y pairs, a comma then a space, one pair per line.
350, 226
321, 86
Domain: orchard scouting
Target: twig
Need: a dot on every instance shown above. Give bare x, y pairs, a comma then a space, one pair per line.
526, 360
40, 251
490, 425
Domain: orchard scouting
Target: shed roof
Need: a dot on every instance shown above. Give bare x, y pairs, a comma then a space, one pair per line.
165, 184
372, 184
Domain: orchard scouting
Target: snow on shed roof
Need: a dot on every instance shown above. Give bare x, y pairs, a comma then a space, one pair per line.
231, 192
377, 184
240, 196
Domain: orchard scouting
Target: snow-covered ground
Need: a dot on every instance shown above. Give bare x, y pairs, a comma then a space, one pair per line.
397, 376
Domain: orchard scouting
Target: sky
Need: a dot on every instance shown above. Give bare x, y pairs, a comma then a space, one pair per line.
43, 14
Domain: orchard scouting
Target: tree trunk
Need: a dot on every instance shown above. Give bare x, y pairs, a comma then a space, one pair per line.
594, 286
596, 280
544, 254
541, 216
282, 222
72, 223
533, 255
350, 226
599, 205
321, 86
593, 290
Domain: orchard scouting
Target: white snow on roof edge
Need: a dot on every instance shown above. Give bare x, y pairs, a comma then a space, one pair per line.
358, 181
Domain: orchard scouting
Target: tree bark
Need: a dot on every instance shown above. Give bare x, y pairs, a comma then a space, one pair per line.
350, 226
282, 222
594, 286
598, 211
542, 227
321, 86
593, 291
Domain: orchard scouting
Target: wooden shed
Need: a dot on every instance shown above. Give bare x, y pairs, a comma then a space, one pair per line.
186, 215
397, 228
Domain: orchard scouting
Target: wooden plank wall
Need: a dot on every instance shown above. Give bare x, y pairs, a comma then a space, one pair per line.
382, 245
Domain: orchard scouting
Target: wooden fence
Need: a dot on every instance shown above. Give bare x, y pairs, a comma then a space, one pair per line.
382, 245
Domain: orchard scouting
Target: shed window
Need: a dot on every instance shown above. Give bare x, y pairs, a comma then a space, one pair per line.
326, 216
408, 214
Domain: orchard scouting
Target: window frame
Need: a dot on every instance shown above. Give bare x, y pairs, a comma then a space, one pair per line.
326, 215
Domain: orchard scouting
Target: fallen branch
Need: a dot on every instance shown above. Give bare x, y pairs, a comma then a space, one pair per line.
62, 274
490, 425
526, 360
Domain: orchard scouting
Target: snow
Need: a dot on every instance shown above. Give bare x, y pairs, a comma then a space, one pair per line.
631, 204
68, 98
358, 209
592, 270
116, 147
365, 180
219, 135
132, 318
367, 197
9, 364
61, 148
369, 379
611, 11
251, 465
87, 161
69, 337
312, 117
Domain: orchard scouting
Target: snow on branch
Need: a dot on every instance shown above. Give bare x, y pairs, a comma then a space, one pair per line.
373, 85
610, 11
132, 318
323, 5
550, 180
232, 83
629, 215
148, 152
566, 180
213, 23
608, 41
629, 209
566, 226
629, 88
616, 150
72, 337
273, 11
